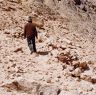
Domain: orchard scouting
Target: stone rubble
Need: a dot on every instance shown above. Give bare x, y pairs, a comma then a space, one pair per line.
66, 60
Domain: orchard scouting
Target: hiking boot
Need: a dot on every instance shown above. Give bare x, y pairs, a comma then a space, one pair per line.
31, 52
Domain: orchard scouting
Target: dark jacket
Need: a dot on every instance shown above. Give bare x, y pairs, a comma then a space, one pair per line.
30, 30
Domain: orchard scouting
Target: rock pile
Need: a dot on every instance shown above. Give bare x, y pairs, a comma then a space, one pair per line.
67, 58
65, 63
32, 88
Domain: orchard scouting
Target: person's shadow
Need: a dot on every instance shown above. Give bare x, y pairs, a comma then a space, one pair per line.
43, 52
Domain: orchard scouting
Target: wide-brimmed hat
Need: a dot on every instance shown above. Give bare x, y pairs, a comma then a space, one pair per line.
29, 18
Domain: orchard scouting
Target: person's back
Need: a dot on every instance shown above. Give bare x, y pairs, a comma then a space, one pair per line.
30, 30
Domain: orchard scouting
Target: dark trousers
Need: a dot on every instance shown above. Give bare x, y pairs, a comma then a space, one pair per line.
31, 44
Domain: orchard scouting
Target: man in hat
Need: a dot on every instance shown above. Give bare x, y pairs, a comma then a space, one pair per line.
30, 33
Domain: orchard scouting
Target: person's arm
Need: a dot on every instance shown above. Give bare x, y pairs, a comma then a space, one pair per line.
36, 34
25, 32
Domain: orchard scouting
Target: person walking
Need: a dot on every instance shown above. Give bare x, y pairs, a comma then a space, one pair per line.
30, 33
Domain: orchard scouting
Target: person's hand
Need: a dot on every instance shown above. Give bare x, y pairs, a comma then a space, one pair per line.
37, 37
24, 37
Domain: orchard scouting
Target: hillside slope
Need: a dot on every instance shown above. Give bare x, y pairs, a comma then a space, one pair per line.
66, 59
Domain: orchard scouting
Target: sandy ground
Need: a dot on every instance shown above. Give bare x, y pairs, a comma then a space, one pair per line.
66, 60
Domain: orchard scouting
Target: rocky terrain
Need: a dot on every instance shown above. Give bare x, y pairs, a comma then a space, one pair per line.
66, 59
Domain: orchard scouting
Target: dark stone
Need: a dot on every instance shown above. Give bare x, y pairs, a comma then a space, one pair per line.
84, 9
41, 93
77, 2
58, 92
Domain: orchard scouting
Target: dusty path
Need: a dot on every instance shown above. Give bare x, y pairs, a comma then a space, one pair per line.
66, 59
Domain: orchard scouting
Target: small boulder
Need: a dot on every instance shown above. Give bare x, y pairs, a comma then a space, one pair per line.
49, 90
18, 50
77, 72
83, 65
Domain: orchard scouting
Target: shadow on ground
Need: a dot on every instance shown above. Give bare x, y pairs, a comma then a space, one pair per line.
43, 52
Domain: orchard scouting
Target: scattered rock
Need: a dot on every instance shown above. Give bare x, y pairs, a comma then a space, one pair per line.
53, 46
31, 87
77, 72
18, 50
6, 32
13, 65
17, 35
66, 58
15, 1
66, 93
77, 2
40, 40
49, 81
83, 65
49, 90
67, 37
64, 67
67, 41
93, 80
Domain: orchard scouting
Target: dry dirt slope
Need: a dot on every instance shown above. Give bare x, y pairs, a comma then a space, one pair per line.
66, 63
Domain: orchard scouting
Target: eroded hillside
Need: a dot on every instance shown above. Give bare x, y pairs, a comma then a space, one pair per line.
66, 59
